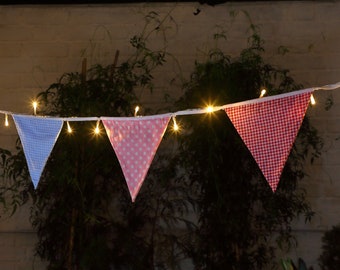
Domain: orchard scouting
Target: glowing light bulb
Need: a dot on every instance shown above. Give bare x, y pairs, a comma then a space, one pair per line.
97, 129
312, 99
209, 109
69, 129
6, 120
263, 92
136, 110
175, 126
35, 106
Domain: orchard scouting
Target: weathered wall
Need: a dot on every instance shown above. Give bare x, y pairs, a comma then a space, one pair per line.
39, 43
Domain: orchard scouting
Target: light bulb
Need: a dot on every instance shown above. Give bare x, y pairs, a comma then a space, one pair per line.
136, 110
35, 106
263, 92
97, 129
69, 129
312, 99
209, 109
175, 126
6, 120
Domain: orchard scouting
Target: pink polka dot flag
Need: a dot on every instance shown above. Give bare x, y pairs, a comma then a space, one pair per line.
269, 126
135, 141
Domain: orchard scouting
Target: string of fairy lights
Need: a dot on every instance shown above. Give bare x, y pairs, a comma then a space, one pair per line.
176, 126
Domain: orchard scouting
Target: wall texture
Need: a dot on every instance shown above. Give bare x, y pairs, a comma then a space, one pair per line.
39, 43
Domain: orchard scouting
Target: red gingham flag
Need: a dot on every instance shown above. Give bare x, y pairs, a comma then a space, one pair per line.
269, 126
135, 141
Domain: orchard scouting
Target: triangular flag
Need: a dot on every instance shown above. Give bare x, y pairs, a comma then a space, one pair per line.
135, 141
38, 136
269, 126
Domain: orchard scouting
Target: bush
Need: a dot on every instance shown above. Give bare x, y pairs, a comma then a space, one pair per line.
238, 212
330, 257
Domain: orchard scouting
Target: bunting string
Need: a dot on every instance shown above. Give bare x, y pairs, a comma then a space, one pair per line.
267, 125
200, 110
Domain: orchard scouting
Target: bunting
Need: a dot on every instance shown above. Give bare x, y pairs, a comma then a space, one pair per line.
135, 141
268, 127
38, 136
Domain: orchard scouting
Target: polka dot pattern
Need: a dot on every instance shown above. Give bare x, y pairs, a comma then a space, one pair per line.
269, 128
135, 141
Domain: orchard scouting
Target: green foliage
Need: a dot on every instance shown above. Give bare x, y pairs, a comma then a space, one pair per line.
330, 256
238, 213
15, 190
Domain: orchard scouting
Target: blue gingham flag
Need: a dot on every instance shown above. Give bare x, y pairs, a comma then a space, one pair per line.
38, 136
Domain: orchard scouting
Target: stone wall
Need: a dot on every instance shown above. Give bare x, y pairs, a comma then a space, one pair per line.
39, 43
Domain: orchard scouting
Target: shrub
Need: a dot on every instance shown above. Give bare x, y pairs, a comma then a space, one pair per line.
330, 256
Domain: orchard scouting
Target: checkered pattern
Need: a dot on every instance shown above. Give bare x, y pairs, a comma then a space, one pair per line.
38, 136
135, 141
269, 127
